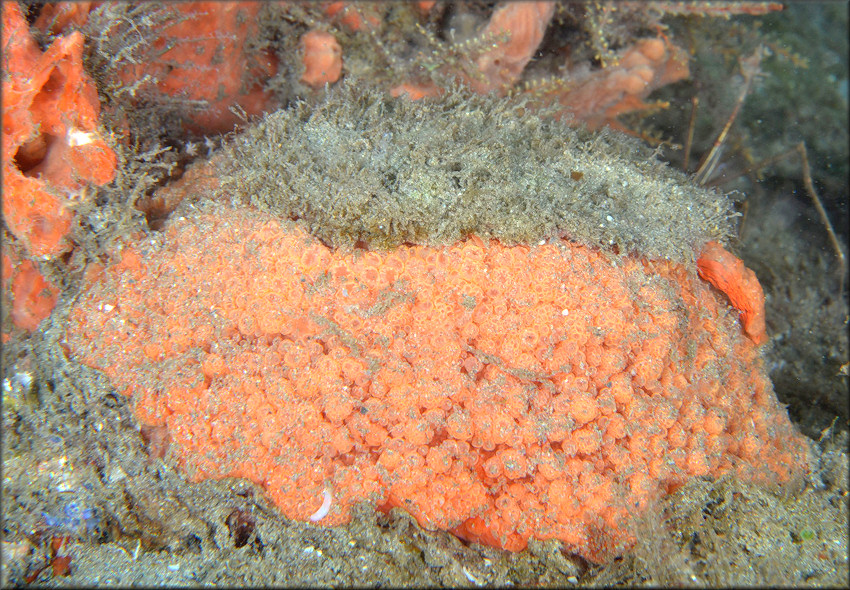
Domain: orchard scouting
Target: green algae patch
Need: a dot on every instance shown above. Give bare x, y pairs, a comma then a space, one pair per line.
362, 168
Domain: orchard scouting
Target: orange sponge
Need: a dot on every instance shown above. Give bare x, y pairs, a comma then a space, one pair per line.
523, 24
51, 146
322, 58
597, 98
203, 54
502, 393
27, 295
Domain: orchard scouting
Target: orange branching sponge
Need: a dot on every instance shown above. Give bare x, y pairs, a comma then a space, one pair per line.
524, 23
593, 98
728, 273
502, 393
51, 147
322, 58
54, 18
207, 60
597, 98
357, 16
513, 34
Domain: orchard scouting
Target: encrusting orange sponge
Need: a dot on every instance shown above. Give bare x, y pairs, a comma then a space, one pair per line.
51, 147
501, 393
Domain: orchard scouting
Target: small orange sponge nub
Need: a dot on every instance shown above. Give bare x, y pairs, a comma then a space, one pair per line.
28, 295
322, 58
502, 393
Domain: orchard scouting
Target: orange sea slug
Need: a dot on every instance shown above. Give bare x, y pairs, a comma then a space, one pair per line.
379, 390
728, 273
